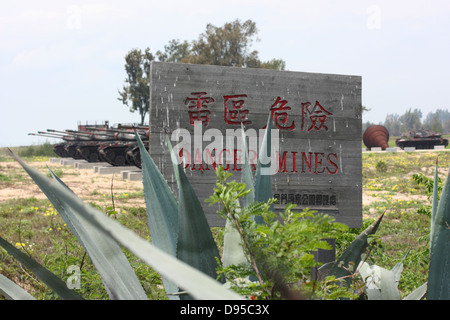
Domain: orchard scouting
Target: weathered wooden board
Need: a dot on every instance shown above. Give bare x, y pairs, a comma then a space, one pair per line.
318, 117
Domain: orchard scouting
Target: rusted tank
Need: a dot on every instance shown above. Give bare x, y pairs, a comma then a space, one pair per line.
114, 153
64, 149
421, 139
58, 148
376, 136
117, 153
82, 144
134, 154
100, 144
89, 149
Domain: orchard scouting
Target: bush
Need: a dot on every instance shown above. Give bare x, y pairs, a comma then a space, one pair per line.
42, 150
381, 166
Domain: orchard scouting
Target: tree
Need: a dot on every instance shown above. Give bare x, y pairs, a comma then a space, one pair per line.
175, 51
438, 121
433, 122
224, 46
392, 124
410, 120
136, 94
228, 45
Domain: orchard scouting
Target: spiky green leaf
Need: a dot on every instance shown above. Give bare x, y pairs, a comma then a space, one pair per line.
439, 271
233, 252
346, 264
398, 268
117, 275
162, 211
47, 277
263, 180
380, 283
195, 282
246, 173
434, 203
418, 294
12, 291
196, 245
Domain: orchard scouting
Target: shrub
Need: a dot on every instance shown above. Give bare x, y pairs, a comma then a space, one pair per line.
42, 150
381, 166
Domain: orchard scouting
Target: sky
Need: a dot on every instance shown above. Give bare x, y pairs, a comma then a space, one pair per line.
62, 62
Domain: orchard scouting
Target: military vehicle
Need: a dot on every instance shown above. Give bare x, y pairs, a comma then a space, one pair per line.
116, 146
421, 139
134, 154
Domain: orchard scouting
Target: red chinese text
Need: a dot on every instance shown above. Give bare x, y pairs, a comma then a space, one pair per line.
317, 116
280, 115
198, 107
235, 113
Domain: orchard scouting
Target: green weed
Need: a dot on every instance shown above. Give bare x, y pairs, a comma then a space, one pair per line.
35, 227
45, 237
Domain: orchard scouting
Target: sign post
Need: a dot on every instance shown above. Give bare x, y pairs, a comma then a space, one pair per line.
317, 163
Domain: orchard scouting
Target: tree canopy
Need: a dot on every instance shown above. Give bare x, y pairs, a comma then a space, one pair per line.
413, 120
228, 45
135, 92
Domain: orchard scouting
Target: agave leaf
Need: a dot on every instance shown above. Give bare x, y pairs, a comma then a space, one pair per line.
263, 180
51, 280
233, 252
162, 211
388, 286
12, 291
246, 173
162, 207
380, 283
195, 282
418, 294
439, 270
66, 219
435, 202
196, 245
398, 268
117, 275
351, 257
199, 285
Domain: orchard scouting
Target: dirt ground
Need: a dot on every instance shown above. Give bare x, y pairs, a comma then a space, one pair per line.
88, 185
97, 188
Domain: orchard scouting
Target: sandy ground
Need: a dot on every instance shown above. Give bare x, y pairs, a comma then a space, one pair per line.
88, 185
94, 187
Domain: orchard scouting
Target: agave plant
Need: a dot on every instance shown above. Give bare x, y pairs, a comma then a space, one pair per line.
103, 238
182, 250
181, 228
381, 283
439, 271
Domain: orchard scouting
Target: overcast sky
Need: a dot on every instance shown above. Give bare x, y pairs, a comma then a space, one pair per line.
63, 61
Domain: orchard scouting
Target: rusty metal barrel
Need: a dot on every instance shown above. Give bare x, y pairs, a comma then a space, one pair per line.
376, 136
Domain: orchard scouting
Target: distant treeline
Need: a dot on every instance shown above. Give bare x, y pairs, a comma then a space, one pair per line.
438, 121
41, 150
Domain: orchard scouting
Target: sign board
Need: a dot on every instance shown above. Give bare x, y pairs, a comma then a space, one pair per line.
318, 163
